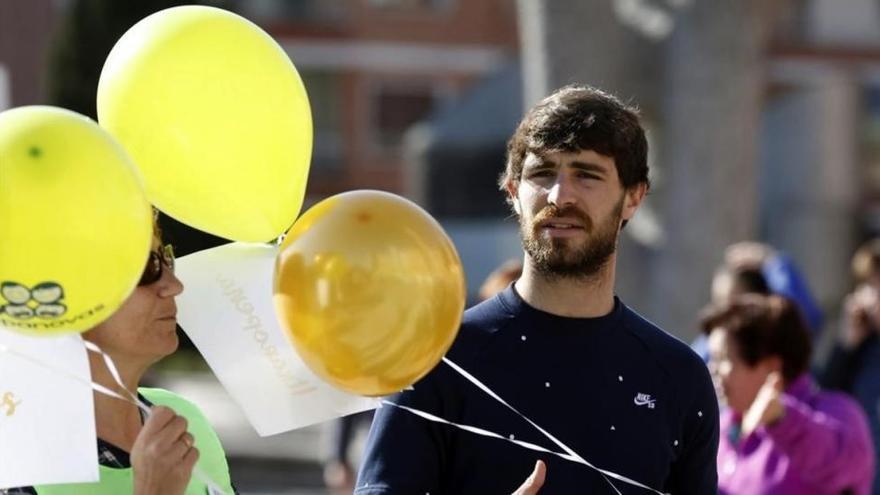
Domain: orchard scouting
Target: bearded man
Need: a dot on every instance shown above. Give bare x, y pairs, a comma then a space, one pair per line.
558, 346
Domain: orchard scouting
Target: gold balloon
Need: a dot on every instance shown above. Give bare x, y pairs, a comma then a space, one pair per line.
370, 291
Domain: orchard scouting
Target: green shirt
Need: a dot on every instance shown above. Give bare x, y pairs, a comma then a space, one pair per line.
212, 458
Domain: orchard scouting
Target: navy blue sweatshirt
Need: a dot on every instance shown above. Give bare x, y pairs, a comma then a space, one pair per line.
623, 394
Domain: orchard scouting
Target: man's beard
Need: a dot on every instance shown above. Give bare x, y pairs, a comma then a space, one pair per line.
556, 258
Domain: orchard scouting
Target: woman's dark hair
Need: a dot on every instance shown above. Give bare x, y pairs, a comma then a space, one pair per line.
763, 326
748, 279
157, 229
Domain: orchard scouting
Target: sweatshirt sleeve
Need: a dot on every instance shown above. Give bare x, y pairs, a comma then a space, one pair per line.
828, 442
406, 453
696, 472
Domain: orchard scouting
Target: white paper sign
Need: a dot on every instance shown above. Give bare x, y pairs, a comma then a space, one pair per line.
226, 310
47, 416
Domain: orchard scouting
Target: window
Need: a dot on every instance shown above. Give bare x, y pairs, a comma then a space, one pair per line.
410, 4
5, 89
325, 94
396, 109
870, 139
300, 11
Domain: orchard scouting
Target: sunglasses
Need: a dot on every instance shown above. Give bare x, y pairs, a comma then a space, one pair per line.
164, 256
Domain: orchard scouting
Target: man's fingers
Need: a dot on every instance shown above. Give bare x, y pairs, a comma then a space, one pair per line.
534, 482
538, 475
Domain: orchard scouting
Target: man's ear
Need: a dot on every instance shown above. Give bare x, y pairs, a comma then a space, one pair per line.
512, 188
634, 196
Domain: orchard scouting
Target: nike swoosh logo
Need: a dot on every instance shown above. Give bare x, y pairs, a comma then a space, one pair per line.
641, 402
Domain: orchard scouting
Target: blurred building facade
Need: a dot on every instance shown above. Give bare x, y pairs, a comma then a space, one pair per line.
764, 118
761, 120
25, 28
373, 68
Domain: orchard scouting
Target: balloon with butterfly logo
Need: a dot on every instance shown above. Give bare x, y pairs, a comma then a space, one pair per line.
75, 225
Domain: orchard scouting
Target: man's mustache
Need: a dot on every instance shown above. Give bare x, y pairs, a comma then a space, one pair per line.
552, 211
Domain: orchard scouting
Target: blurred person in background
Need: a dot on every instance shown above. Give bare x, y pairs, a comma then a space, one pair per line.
751, 267
854, 363
779, 433
500, 278
151, 454
340, 468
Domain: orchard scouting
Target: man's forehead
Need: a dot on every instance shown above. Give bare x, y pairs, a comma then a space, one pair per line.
564, 157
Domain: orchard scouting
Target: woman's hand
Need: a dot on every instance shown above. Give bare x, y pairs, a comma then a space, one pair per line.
767, 408
163, 455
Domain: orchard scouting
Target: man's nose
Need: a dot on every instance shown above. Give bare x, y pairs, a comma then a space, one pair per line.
561, 192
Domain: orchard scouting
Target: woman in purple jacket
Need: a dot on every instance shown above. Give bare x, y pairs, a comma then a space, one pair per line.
780, 434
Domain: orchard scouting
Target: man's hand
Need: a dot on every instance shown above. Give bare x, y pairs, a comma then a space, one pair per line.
534, 482
163, 455
766, 409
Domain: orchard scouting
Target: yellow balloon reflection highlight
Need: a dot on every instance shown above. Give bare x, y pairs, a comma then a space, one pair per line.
75, 226
370, 291
216, 117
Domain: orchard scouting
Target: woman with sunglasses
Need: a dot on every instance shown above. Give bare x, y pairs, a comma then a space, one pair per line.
156, 454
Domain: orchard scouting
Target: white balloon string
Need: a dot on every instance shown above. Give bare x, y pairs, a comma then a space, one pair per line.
490, 434
134, 399
570, 455
111, 367
495, 396
547, 434
129, 397
482, 432
98, 387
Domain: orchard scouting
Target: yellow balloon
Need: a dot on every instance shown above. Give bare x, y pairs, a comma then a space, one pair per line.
370, 291
216, 117
75, 226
